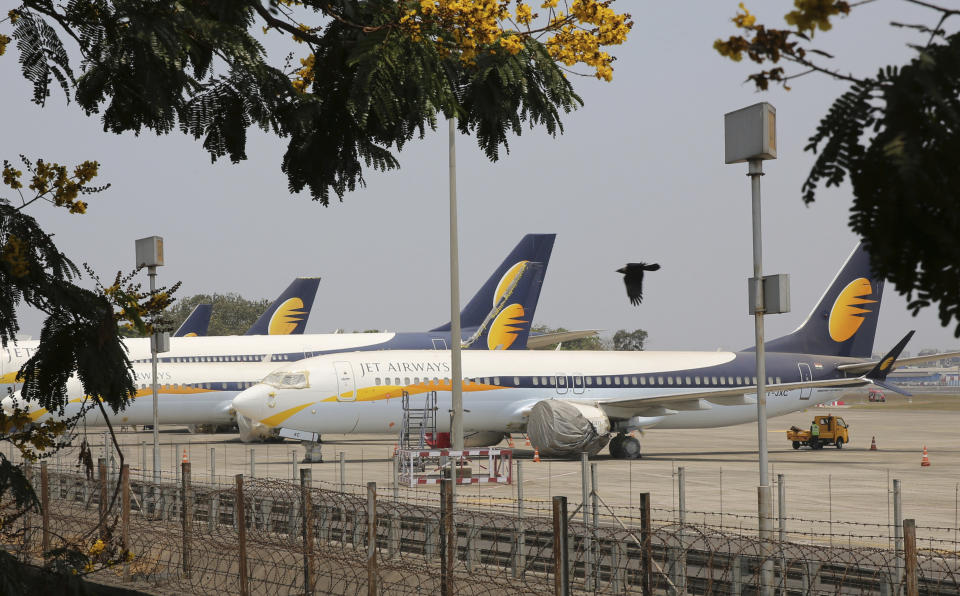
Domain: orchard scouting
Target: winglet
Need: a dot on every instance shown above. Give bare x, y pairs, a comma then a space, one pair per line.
883, 368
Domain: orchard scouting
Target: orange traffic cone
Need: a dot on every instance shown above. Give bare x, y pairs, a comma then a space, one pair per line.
536, 456
527, 440
395, 450
873, 443
510, 441
187, 460
925, 461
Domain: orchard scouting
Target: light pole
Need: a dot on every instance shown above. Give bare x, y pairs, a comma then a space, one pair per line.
750, 136
150, 255
456, 376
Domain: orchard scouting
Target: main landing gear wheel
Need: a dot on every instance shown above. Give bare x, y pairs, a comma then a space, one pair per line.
625, 447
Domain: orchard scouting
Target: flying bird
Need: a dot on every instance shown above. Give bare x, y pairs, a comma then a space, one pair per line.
633, 279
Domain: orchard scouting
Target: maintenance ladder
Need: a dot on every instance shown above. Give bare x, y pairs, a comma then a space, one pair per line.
419, 420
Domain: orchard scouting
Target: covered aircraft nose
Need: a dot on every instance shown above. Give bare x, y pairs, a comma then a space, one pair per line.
255, 402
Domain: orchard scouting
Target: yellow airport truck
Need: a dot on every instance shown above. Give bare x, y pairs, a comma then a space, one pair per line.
833, 431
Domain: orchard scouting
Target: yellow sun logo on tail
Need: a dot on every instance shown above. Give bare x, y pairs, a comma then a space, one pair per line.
504, 329
846, 316
287, 317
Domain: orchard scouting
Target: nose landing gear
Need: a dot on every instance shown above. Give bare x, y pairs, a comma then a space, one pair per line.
624, 446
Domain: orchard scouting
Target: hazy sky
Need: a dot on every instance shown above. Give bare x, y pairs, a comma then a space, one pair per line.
638, 176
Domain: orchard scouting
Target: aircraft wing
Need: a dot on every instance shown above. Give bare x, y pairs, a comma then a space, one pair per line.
658, 405
863, 367
548, 339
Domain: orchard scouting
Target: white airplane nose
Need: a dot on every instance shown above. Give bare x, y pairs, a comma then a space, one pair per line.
253, 402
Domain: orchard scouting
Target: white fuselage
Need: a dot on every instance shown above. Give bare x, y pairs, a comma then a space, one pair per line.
187, 394
360, 392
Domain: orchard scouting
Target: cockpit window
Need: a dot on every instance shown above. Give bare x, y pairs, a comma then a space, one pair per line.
287, 380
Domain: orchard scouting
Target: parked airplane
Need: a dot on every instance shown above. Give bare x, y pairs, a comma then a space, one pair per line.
198, 376
283, 315
571, 402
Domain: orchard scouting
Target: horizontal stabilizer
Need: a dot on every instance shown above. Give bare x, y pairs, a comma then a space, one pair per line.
862, 367
892, 387
542, 340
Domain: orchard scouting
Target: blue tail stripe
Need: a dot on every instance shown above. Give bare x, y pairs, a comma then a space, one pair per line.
533, 248
197, 323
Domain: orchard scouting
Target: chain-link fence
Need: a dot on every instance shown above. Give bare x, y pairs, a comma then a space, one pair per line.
265, 536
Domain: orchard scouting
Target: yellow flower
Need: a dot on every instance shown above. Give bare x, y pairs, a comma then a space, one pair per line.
97, 547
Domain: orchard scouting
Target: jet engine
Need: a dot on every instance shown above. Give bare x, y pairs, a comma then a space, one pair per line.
254, 432
563, 428
486, 438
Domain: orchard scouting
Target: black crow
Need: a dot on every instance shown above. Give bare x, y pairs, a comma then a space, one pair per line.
633, 279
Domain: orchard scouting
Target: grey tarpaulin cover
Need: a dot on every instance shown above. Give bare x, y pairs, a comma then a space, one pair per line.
556, 427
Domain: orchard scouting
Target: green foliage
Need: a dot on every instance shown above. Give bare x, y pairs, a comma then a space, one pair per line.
232, 313
624, 340
196, 66
897, 137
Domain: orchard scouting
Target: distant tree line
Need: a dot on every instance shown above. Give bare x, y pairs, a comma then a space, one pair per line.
622, 340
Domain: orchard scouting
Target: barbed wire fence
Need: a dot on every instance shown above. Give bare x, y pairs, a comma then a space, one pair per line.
270, 536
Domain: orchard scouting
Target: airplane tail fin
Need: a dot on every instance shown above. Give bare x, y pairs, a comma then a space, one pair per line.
197, 323
507, 325
289, 313
844, 322
531, 248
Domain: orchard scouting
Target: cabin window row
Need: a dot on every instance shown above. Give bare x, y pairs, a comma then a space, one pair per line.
241, 358
211, 386
589, 381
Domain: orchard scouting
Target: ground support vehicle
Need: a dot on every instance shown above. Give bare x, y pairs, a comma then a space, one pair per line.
833, 431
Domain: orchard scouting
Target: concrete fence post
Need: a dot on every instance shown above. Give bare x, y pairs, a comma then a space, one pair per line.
372, 572
898, 534
646, 540
241, 517
253, 463
520, 555
679, 566
306, 513
102, 525
448, 542
910, 557
125, 519
561, 560
45, 507
595, 555
782, 527
585, 506
343, 470
186, 515
213, 465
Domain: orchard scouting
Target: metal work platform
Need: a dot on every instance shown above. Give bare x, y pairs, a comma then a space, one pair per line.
483, 465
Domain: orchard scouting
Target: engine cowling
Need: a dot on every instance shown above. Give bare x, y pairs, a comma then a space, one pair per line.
483, 438
563, 428
254, 432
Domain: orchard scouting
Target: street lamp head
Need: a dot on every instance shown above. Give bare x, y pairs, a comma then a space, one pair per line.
150, 251
750, 133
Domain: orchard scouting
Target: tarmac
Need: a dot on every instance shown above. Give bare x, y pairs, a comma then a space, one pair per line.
847, 490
